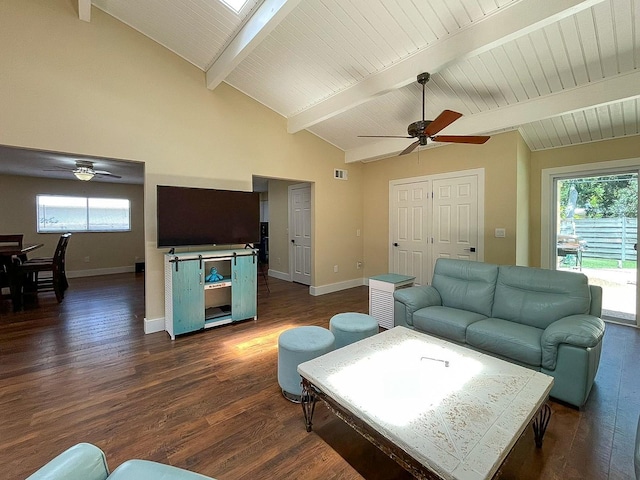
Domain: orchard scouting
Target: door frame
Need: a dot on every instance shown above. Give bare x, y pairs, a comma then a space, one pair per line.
548, 200
479, 172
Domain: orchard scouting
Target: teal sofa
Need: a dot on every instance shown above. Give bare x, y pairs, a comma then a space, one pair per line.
542, 319
87, 462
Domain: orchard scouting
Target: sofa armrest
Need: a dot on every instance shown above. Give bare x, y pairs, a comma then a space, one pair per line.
80, 462
408, 300
584, 331
595, 308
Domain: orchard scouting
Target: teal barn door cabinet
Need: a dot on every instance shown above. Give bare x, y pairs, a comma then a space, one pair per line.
208, 289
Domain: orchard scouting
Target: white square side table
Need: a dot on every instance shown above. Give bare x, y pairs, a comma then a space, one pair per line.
381, 288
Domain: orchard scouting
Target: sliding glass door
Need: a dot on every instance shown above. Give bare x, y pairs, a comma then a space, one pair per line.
596, 233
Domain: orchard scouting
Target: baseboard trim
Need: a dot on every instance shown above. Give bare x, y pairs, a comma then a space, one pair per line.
279, 275
100, 271
323, 289
336, 287
153, 325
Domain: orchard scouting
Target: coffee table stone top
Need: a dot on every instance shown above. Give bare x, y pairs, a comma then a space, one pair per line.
453, 409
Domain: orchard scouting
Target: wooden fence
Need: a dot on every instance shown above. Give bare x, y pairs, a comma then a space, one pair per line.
611, 238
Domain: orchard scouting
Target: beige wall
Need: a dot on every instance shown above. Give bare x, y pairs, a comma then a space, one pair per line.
105, 250
523, 180
499, 159
604, 151
102, 89
340, 239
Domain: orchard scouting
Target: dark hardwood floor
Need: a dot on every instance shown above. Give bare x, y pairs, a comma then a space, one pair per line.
84, 371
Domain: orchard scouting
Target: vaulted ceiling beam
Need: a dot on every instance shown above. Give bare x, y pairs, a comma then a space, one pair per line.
595, 94
84, 10
261, 23
507, 24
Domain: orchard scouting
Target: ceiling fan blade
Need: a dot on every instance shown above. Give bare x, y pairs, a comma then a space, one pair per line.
383, 136
57, 169
410, 148
106, 174
475, 139
446, 118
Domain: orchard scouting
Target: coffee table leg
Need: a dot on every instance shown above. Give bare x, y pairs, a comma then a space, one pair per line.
308, 402
540, 424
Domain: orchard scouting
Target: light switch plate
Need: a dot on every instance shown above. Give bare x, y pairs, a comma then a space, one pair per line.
501, 233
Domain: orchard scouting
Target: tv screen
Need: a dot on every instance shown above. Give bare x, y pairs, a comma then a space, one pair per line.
203, 216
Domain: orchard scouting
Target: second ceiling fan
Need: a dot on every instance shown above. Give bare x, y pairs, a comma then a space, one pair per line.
84, 171
425, 130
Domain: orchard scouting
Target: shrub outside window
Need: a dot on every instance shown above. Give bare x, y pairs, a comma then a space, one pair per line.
58, 213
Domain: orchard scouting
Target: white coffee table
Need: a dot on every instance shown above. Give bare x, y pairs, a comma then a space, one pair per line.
440, 410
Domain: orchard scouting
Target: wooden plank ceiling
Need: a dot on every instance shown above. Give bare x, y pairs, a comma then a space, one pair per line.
563, 72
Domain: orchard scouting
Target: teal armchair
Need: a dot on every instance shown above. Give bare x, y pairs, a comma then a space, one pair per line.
87, 462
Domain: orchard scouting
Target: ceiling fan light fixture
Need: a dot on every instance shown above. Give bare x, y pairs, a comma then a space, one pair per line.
84, 173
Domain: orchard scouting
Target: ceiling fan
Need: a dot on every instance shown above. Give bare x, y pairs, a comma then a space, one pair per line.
425, 130
84, 171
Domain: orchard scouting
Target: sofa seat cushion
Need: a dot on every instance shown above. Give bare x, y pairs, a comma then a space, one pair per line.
507, 339
445, 322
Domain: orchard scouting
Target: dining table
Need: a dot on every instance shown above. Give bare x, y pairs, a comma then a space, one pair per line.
10, 266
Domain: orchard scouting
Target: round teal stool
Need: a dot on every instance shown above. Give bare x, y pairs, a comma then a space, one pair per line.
351, 327
296, 346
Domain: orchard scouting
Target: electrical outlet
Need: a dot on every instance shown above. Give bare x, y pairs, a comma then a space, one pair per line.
357, 232
335, 269
358, 265
501, 233
87, 259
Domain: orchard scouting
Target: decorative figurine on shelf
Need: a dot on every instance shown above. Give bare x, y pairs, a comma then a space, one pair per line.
213, 276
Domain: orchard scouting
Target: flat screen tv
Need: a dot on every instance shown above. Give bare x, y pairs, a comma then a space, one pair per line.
203, 216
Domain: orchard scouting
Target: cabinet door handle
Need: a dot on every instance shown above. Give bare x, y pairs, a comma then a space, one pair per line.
200, 278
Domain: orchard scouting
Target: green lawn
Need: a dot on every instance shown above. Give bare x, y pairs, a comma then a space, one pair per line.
606, 263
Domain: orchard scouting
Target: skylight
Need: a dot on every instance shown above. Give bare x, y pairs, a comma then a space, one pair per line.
235, 5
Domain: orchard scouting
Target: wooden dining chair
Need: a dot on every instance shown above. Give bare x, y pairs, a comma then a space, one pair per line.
30, 271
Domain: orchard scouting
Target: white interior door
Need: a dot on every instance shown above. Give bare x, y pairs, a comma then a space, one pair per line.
409, 230
435, 216
455, 218
300, 233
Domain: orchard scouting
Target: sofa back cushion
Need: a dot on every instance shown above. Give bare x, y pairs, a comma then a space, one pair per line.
537, 297
466, 285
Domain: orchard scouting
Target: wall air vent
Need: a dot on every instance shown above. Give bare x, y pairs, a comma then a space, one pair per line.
339, 174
